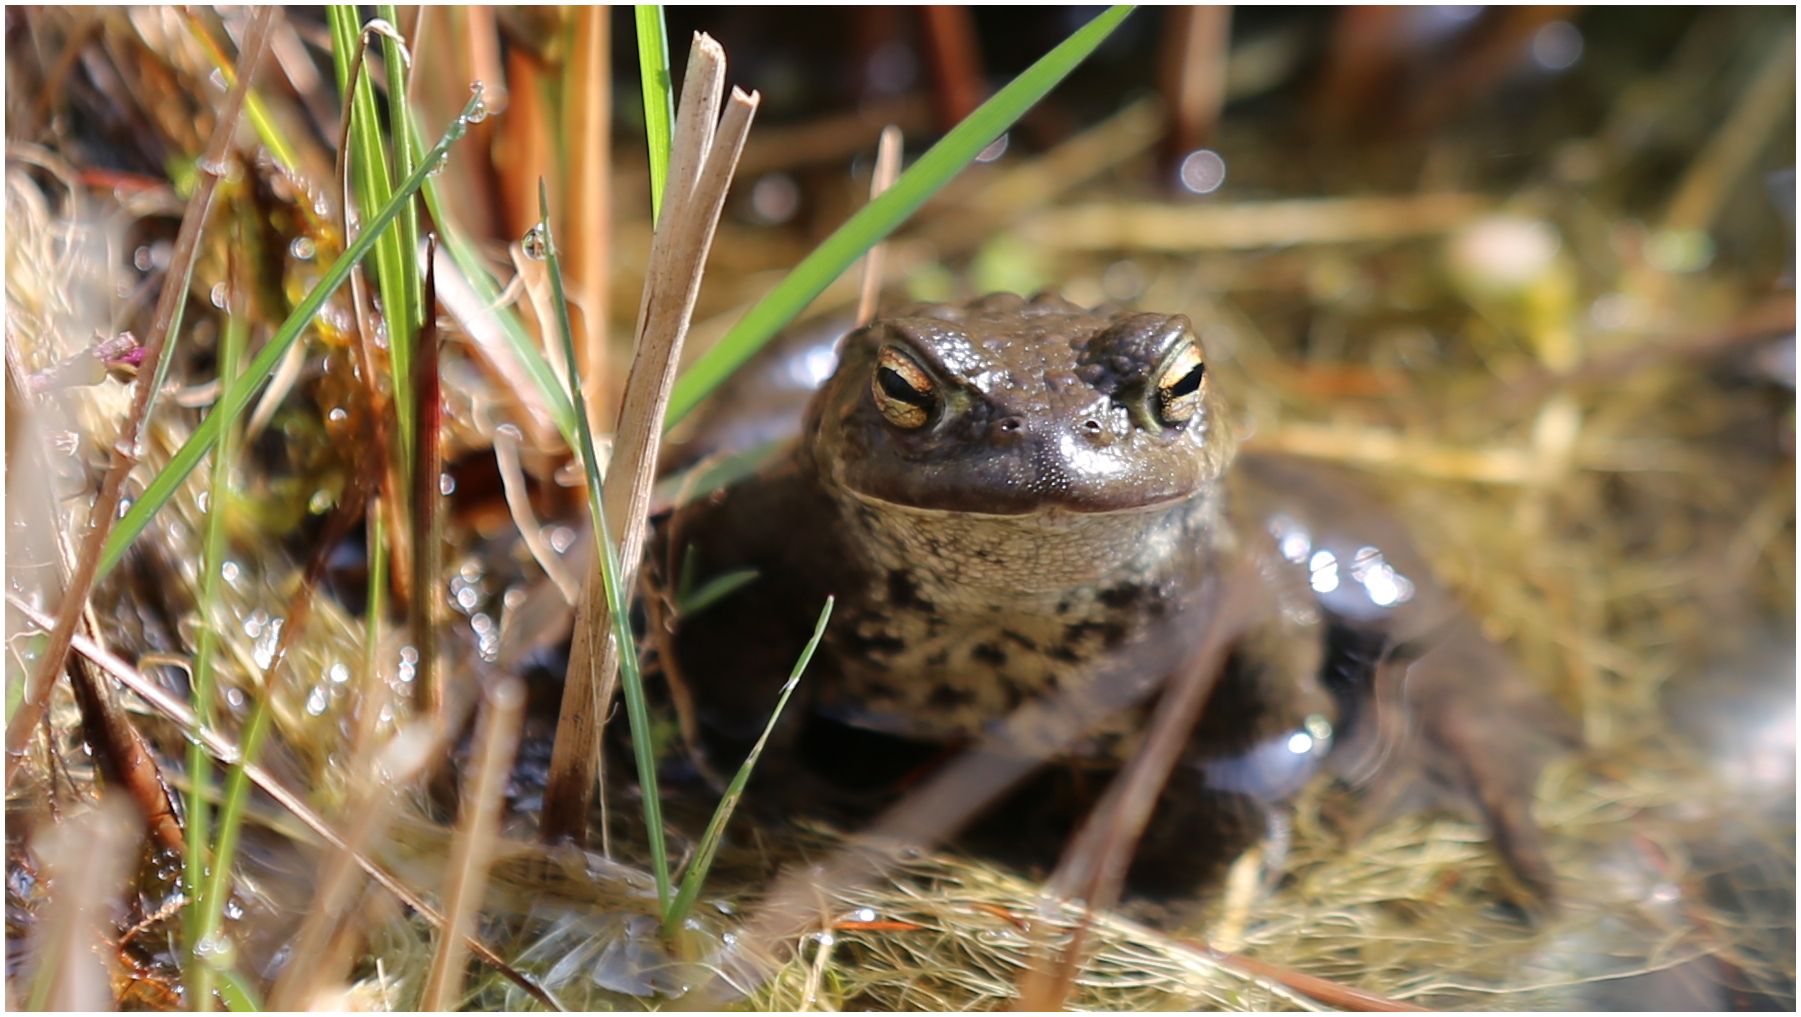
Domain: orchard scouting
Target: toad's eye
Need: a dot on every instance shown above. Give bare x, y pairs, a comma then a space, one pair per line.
1178, 393
903, 391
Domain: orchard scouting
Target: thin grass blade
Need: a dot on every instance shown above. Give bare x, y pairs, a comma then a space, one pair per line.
374, 187
659, 97
400, 125
692, 602
200, 763
696, 876
239, 997
237, 785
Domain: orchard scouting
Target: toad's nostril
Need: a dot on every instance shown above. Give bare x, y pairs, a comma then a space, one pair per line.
1091, 425
1010, 425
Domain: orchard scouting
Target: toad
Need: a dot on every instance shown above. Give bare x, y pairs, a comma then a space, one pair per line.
1013, 500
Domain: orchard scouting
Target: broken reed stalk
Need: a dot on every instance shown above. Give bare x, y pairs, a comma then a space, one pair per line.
123, 755
496, 742
1157, 228
954, 62
225, 750
166, 322
701, 169
887, 167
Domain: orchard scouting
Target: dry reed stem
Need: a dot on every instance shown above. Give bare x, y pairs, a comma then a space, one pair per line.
281, 382
1194, 76
525, 520
524, 154
303, 75
953, 61
226, 752
87, 860
1361, 64
887, 167
1402, 453
496, 742
1344, 997
700, 172
587, 110
1160, 228
121, 751
104, 512
476, 321
446, 64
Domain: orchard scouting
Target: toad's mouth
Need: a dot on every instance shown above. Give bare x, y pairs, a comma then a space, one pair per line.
1049, 510
1051, 549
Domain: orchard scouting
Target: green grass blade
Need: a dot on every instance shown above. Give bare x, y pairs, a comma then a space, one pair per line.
200, 762
883, 215
231, 820
659, 98
696, 876
637, 710
373, 186
239, 997
400, 123
238, 394
692, 602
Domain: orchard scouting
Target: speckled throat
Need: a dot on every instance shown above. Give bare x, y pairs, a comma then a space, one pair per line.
964, 616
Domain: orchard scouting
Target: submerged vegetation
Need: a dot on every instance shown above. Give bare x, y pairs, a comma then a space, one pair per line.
422, 288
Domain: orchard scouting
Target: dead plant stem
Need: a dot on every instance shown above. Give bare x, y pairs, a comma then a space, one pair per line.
701, 169
225, 750
210, 168
496, 740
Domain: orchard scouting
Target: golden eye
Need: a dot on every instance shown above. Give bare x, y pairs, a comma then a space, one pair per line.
1178, 393
903, 391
